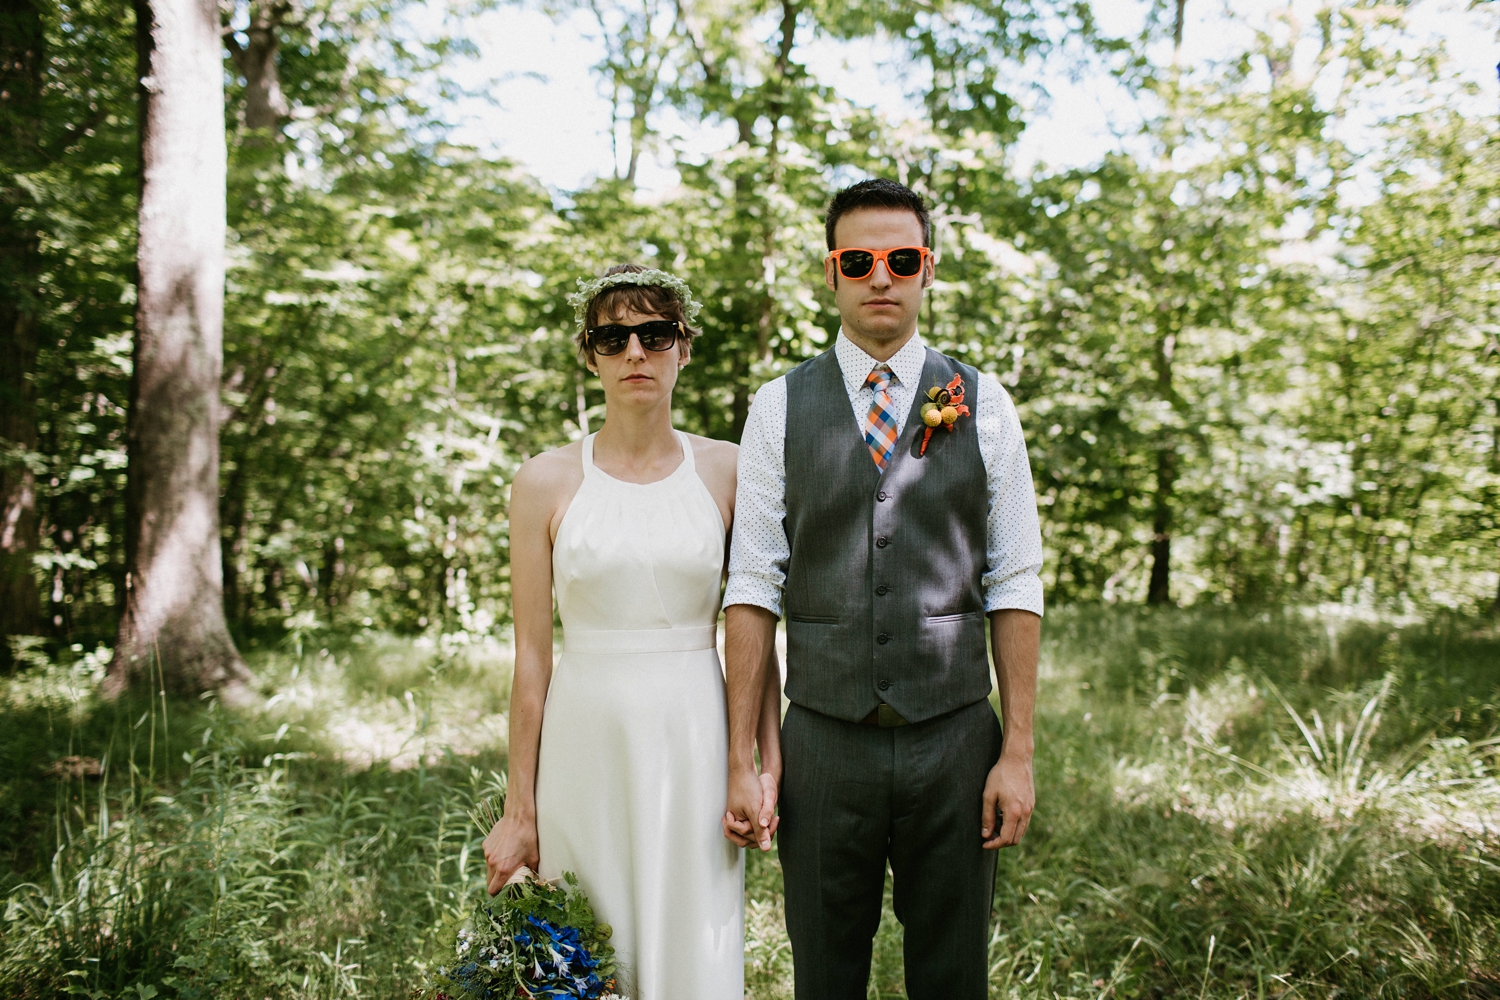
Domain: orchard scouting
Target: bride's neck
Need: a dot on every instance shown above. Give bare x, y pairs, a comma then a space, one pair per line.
637, 439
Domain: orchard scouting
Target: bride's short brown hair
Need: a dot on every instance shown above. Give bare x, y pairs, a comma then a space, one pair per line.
614, 300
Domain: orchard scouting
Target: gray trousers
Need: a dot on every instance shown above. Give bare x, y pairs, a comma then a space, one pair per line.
855, 796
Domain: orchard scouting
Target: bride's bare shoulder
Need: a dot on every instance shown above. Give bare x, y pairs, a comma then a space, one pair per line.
716, 460
713, 450
550, 475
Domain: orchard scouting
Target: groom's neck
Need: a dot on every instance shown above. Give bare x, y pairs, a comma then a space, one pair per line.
879, 348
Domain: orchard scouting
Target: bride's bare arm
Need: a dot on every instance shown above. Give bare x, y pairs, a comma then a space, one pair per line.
536, 494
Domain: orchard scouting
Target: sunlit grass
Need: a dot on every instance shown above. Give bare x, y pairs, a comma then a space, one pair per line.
1229, 806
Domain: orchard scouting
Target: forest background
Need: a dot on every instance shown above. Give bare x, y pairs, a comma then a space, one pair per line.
1256, 363
1256, 351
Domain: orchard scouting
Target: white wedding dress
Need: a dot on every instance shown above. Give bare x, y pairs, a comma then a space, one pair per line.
631, 776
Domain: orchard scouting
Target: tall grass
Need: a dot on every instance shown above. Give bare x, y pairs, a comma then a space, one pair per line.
219, 859
1229, 805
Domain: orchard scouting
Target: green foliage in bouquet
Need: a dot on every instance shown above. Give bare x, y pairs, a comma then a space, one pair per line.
534, 939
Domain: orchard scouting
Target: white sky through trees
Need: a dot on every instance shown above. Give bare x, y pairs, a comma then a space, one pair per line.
550, 112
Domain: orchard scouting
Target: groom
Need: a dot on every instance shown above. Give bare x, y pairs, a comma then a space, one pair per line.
891, 534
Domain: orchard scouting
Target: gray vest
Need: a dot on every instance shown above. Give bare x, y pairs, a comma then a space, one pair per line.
884, 590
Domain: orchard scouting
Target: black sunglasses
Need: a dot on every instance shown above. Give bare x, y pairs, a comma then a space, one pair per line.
655, 335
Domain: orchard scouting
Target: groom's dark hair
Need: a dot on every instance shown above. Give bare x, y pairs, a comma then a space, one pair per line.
877, 193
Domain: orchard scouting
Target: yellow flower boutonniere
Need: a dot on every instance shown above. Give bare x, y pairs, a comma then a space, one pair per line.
945, 404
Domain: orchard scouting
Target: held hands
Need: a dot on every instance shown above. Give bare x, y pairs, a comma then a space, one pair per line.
511, 843
1010, 792
750, 819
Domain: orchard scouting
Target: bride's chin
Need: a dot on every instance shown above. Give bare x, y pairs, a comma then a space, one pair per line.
638, 394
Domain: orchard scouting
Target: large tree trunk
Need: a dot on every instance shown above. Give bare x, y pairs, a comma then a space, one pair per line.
22, 54
174, 609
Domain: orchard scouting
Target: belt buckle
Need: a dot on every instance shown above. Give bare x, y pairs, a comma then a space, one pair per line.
886, 717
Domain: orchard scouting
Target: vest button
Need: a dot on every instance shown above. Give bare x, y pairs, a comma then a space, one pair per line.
882, 542
882, 590
882, 638
881, 496
884, 685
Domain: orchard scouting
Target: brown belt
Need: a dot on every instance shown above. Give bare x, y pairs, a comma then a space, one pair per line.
885, 717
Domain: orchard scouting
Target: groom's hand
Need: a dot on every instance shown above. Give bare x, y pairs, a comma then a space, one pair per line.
748, 819
1009, 797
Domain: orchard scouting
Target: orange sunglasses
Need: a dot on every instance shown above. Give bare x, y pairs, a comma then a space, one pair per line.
855, 263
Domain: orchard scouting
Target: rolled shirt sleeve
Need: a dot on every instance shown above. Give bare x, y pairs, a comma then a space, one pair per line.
759, 551
1013, 536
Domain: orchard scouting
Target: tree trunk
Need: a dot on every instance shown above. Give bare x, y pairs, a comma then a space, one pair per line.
174, 611
22, 54
1495, 467
1159, 591
265, 104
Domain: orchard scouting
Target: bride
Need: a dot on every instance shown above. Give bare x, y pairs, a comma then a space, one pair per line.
618, 757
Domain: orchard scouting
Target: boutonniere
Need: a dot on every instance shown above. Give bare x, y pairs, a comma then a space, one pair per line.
945, 404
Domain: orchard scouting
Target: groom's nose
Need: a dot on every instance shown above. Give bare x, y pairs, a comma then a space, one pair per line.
880, 277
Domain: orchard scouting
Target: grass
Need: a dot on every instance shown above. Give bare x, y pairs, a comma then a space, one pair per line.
1287, 804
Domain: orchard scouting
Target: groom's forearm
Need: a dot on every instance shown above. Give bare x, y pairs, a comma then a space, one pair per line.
749, 641
768, 732
1015, 639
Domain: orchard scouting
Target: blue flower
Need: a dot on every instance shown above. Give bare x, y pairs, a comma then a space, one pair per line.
560, 965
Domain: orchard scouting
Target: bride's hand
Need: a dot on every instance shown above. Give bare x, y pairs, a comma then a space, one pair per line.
510, 844
739, 828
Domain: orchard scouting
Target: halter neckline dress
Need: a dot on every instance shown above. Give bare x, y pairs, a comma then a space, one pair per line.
631, 773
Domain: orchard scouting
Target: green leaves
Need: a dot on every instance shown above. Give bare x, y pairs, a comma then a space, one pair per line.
1272, 351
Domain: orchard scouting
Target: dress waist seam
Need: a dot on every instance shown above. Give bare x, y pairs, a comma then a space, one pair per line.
640, 640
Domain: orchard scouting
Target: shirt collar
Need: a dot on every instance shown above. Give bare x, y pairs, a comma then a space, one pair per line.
906, 364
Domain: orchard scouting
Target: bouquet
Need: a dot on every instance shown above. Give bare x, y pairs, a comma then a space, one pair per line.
535, 939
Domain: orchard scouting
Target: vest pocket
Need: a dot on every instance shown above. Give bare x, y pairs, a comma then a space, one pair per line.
813, 619
953, 640
939, 619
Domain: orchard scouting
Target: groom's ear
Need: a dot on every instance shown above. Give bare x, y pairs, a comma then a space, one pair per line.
830, 274
929, 272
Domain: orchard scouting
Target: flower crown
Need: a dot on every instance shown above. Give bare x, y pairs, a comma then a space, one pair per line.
587, 290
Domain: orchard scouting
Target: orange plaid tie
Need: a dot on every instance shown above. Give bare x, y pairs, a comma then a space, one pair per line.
880, 425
